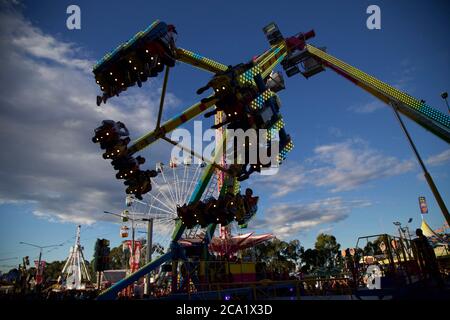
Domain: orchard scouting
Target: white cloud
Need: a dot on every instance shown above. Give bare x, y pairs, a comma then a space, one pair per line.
341, 166
47, 120
32, 41
347, 165
438, 159
290, 219
289, 178
369, 107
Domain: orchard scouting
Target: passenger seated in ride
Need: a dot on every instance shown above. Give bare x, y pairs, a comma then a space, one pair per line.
250, 202
240, 209
109, 133
141, 183
118, 149
127, 162
128, 167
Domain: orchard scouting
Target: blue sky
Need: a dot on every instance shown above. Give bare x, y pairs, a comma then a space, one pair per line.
351, 172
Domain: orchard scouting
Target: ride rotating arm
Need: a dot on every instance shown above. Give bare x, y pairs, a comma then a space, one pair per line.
264, 64
426, 116
170, 125
199, 61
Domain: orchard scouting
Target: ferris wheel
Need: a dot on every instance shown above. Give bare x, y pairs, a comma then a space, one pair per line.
172, 188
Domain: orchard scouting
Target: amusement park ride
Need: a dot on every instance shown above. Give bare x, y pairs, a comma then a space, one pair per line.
74, 274
244, 96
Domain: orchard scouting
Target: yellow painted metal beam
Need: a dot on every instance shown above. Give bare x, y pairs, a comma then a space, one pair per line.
199, 61
426, 116
170, 125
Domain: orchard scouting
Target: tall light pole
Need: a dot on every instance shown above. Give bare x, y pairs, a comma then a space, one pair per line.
407, 228
402, 233
399, 227
149, 252
40, 252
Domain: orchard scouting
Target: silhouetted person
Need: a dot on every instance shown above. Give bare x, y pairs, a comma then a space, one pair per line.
426, 258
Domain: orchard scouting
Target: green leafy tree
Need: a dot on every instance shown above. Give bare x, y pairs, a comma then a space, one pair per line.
118, 258
275, 256
328, 251
53, 270
310, 259
292, 252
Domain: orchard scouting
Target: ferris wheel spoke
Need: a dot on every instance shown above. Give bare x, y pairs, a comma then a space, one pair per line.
165, 205
170, 190
135, 201
183, 185
176, 185
163, 210
163, 191
162, 218
191, 186
169, 187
